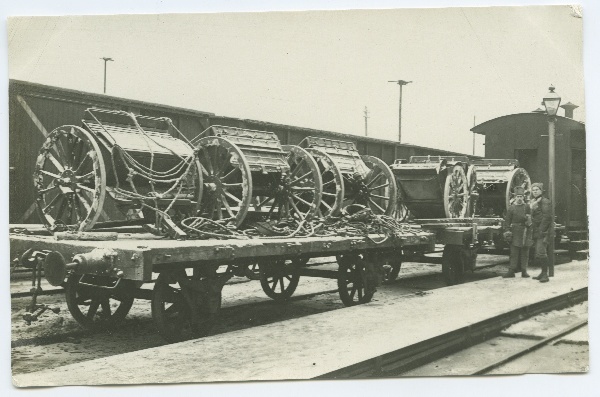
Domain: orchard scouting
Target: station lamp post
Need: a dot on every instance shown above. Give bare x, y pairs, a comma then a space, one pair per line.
106, 59
551, 103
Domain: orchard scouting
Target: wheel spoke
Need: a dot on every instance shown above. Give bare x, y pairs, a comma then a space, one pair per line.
87, 156
301, 199
231, 196
376, 205
297, 168
55, 176
84, 202
93, 308
106, 308
378, 196
89, 189
376, 177
51, 203
295, 207
300, 178
55, 162
380, 186
224, 178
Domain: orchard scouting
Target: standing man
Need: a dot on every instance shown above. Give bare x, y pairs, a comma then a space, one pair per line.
518, 222
541, 212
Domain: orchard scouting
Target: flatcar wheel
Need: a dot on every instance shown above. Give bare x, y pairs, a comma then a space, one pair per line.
456, 193
227, 182
352, 282
69, 180
333, 184
518, 177
94, 304
279, 280
379, 190
172, 313
453, 265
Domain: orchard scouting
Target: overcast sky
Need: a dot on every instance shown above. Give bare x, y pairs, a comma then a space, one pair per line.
320, 69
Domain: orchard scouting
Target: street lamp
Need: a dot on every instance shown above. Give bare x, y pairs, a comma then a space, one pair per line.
106, 60
551, 102
400, 83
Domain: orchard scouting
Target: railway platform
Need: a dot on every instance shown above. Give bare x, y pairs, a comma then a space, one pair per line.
367, 340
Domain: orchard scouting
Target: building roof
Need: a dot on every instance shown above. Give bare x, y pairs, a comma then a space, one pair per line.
481, 128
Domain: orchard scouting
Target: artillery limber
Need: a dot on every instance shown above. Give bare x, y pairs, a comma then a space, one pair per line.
496, 180
152, 177
249, 173
434, 186
350, 178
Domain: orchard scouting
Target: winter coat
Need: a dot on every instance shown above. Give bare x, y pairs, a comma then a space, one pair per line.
541, 215
515, 222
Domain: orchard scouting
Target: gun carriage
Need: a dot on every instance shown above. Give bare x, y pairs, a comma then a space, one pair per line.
249, 173
150, 176
349, 178
434, 186
496, 180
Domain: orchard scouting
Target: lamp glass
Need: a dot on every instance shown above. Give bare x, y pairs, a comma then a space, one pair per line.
551, 102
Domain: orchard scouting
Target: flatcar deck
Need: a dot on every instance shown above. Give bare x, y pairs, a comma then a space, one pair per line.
138, 255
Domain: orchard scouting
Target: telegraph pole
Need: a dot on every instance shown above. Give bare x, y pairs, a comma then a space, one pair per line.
400, 83
106, 59
366, 116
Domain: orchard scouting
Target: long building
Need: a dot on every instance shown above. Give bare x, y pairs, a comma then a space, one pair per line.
36, 109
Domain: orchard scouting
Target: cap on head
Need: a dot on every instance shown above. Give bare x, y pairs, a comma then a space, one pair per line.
539, 185
519, 191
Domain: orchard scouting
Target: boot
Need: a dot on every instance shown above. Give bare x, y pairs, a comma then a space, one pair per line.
544, 275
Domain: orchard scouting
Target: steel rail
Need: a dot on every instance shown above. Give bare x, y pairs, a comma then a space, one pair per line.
529, 349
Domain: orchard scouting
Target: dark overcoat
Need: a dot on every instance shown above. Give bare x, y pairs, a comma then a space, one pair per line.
541, 215
515, 221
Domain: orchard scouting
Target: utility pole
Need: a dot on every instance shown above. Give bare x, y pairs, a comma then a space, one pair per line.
106, 59
366, 116
400, 83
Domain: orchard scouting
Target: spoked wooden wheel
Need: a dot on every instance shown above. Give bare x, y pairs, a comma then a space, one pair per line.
172, 312
333, 184
95, 302
279, 279
456, 193
298, 194
227, 189
518, 177
473, 190
69, 180
352, 281
377, 190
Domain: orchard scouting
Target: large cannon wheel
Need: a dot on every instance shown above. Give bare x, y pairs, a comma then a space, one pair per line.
456, 193
377, 190
227, 189
298, 194
69, 180
517, 177
332, 196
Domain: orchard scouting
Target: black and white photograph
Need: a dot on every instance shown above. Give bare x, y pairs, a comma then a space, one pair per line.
211, 196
